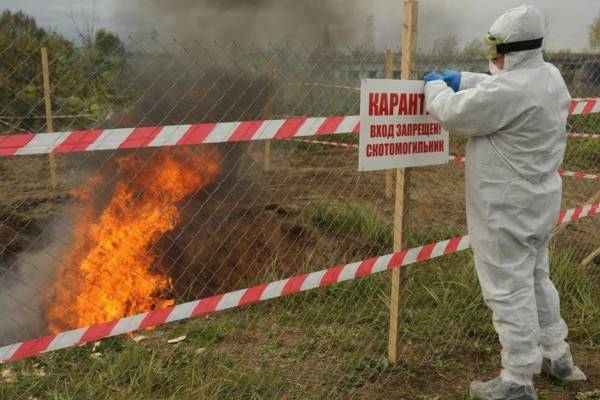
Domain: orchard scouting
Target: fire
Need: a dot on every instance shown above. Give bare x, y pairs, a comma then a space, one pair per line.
111, 270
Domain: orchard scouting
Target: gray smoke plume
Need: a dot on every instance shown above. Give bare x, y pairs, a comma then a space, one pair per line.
309, 22
25, 279
305, 21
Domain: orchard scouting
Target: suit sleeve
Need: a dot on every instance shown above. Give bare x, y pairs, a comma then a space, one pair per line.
469, 80
480, 111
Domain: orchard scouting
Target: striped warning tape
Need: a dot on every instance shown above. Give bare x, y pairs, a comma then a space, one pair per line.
577, 174
326, 85
326, 143
179, 135
580, 174
252, 295
584, 106
355, 146
584, 136
175, 135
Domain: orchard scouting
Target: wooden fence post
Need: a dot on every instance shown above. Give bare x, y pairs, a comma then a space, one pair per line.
588, 260
266, 113
49, 122
409, 42
389, 74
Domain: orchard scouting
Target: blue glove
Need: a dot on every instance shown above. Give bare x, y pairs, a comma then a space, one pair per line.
452, 78
433, 76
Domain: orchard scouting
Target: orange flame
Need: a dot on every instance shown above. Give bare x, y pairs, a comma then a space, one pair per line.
110, 272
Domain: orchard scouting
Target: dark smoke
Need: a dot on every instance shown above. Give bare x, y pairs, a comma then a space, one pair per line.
204, 254
296, 21
308, 22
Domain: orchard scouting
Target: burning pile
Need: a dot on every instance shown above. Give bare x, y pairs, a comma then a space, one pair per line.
111, 270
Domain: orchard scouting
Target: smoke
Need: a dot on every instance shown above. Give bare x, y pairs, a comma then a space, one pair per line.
310, 22
438, 22
306, 21
24, 280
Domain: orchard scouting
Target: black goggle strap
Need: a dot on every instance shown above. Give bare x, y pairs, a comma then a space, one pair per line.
506, 48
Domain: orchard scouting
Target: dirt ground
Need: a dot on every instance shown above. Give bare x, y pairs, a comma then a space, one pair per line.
252, 222
252, 226
244, 223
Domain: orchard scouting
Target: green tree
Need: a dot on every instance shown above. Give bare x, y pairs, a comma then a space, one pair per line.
108, 44
594, 34
83, 81
19, 24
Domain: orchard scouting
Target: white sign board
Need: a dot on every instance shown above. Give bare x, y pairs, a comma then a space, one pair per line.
395, 129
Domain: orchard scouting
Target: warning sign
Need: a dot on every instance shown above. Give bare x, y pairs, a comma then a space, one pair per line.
395, 129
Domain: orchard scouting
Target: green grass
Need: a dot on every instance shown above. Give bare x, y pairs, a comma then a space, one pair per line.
583, 155
325, 343
322, 344
587, 123
368, 224
342, 219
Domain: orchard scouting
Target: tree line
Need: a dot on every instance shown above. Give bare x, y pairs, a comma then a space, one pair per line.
87, 80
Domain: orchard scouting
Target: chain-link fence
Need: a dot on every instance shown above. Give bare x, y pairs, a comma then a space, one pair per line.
139, 227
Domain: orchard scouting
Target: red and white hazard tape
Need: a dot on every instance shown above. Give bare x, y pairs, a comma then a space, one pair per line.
175, 135
584, 106
578, 174
179, 135
458, 159
328, 85
252, 295
326, 143
577, 213
584, 136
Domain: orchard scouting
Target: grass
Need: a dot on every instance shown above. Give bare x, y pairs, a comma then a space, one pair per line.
327, 343
366, 223
584, 123
323, 344
582, 155
342, 219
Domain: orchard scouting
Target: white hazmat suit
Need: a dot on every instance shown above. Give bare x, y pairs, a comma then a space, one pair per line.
516, 124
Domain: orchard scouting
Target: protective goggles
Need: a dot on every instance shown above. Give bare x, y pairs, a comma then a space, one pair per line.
496, 47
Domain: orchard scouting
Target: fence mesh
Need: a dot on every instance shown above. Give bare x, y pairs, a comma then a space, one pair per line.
132, 230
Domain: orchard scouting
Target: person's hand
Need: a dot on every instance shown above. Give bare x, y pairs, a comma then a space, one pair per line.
452, 79
433, 76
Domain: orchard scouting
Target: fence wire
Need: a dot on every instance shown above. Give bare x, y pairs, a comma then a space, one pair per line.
133, 230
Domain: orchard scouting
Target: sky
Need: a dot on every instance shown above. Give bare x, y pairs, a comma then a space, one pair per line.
467, 19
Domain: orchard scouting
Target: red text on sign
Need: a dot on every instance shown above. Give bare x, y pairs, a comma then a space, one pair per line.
402, 130
393, 149
386, 104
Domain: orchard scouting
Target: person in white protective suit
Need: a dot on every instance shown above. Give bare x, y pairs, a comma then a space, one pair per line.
516, 123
